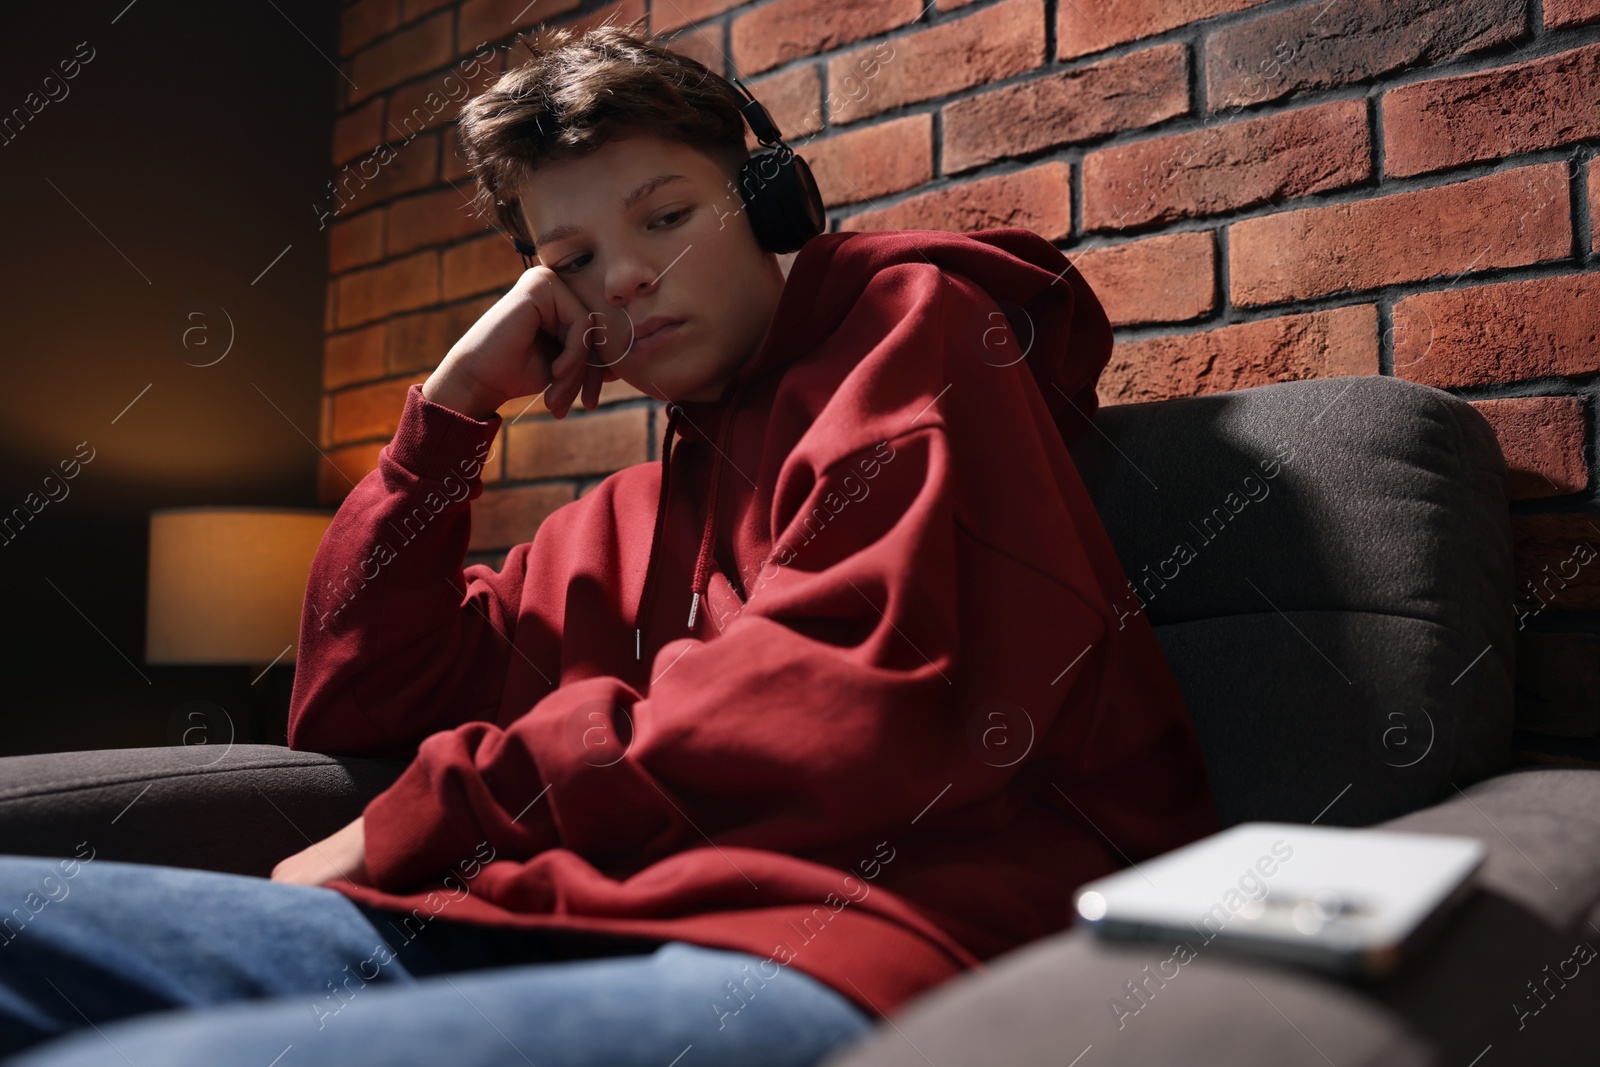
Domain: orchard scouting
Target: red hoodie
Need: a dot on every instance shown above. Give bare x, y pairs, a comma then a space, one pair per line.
838, 682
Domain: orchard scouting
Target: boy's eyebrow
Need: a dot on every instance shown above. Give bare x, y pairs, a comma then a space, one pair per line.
648, 186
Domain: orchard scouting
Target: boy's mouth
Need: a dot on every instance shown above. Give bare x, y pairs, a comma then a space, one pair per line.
654, 331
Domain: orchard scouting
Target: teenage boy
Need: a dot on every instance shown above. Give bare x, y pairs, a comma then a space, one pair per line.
747, 747
839, 681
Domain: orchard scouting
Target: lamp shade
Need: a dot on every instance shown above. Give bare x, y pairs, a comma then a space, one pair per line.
227, 584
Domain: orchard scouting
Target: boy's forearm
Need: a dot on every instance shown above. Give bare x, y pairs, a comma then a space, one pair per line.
451, 390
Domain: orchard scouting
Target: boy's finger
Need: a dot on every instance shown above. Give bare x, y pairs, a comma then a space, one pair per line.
572, 353
575, 318
569, 386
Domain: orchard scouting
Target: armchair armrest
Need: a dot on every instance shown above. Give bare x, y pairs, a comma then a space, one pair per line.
237, 810
1480, 982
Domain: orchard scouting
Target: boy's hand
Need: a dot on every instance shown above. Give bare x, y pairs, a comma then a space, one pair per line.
344, 855
535, 339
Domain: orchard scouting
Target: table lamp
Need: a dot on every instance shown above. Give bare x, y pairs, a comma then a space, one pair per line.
227, 585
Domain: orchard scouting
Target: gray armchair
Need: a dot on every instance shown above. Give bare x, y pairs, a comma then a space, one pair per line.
1341, 626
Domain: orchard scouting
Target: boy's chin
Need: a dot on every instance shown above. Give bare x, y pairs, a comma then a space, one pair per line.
668, 391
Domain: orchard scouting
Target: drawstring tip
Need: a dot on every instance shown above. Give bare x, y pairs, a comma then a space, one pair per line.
694, 605
636, 652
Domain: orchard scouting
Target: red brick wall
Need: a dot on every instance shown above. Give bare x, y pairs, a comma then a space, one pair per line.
1259, 191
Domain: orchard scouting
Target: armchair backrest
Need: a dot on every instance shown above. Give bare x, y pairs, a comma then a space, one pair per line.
1327, 565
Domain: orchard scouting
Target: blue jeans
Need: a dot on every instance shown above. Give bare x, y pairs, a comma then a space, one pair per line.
134, 964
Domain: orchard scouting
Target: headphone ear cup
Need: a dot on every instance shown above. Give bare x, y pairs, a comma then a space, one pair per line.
783, 200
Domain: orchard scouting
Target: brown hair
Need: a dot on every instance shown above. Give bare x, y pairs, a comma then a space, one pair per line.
579, 92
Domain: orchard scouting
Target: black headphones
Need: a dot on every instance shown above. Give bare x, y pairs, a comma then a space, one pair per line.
775, 184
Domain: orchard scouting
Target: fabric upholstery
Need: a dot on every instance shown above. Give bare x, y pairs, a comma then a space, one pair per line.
1345, 622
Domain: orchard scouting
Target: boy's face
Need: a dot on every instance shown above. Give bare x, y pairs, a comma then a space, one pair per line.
682, 249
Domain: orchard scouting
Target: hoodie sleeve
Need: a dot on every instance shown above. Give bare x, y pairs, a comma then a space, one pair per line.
397, 641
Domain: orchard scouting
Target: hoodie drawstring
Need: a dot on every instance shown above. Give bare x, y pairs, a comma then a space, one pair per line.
702, 566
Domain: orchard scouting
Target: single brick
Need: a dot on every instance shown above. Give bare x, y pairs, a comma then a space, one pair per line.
680, 13
421, 341
782, 30
510, 516
794, 98
496, 20
1556, 559
1542, 439
478, 266
355, 242
355, 133
366, 21
1559, 14
1038, 199
339, 470
1079, 33
1506, 332
1169, 278
1508, 219
384, 173
1317, 45
1492, 114
1227, 166
430, 219
413, 51
356, 356
883, 158
1320, 344
1594, 206
988, 46
398, 285
585, 442
1121, 93
370, 410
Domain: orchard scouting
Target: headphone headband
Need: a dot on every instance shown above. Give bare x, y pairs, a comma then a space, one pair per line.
755, 113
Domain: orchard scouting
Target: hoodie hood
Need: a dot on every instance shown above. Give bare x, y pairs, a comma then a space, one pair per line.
1055, 320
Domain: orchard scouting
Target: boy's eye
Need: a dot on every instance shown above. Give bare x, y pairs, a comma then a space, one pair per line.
669, 218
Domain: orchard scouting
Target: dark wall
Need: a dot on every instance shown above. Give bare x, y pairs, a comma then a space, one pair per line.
167, 190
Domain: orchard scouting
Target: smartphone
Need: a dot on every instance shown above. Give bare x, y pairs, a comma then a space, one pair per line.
1351, 901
